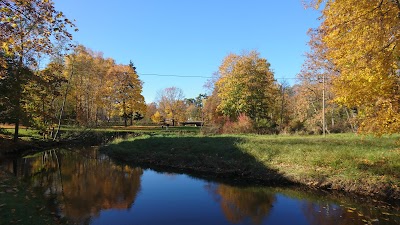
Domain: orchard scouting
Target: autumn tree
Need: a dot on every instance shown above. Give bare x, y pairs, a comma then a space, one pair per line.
194, 107
362, 42
28, 28
157, 118
127, 93
9, 102
246, 86
83, 78
43, 91
210, 113
137, 106
171, 102
151, 109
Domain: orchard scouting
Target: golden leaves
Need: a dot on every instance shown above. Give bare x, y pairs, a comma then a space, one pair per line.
31, 26
361, 39
246, 85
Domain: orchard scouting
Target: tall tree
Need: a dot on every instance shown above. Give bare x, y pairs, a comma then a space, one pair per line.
42, 92
151, 109
362, 42
27, 28
171, 102
128, 91
246, 85
194, 107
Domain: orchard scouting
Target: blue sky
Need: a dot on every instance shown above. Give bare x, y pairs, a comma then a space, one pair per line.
191, 38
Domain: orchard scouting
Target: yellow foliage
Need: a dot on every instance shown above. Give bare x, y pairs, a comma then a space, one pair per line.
156, 118
362, 42
246, 85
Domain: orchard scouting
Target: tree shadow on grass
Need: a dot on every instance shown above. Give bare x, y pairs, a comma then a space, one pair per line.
206, 157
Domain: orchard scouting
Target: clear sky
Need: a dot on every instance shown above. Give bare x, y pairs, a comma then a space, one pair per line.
192, 37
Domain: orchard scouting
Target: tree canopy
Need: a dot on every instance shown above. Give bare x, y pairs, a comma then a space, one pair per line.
361, 40
246, 85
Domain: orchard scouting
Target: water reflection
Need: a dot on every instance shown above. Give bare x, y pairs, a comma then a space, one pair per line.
90, 189
242, 204
83, 184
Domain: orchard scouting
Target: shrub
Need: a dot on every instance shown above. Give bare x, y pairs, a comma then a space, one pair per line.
243, 125
266, 126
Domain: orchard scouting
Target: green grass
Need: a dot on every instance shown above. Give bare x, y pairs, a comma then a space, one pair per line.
150, 129
23, 133
360, 164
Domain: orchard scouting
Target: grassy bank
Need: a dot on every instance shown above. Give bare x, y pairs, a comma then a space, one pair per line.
357, 164
30, 139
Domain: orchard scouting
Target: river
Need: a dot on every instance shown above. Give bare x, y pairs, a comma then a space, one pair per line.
89, 188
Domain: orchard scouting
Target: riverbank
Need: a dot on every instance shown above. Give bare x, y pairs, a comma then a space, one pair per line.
30, 144
356, 164
30, 140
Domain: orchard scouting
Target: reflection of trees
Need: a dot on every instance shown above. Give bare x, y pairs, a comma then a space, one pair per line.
239, 204
84, 183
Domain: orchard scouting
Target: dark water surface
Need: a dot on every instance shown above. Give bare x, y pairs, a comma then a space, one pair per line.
89, 188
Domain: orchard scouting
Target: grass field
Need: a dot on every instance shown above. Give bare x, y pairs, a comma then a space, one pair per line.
349, 162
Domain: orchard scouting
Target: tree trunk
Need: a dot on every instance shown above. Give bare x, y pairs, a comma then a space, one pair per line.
64, 100
17, 100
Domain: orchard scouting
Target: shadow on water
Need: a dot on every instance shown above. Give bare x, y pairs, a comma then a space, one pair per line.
208, 157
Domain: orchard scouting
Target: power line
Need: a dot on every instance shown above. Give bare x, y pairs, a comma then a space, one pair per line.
170, 75
189, 76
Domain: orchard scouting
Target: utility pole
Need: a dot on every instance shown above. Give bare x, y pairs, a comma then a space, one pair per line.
323, 105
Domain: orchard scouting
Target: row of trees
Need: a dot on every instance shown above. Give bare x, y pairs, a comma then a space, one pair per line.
81, 88
99, 90
245, 97
171, 107
76, 85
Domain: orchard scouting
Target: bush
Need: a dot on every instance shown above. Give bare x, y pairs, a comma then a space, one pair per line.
211, 129
243, 125
266, 126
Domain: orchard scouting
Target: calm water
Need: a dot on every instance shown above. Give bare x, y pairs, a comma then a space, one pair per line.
89, 188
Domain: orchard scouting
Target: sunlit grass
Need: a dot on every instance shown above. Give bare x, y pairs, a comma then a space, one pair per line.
343, 161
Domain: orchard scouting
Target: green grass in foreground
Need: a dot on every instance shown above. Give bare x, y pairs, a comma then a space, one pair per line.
361, 164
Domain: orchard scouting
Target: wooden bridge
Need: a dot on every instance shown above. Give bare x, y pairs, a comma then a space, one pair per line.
196, 123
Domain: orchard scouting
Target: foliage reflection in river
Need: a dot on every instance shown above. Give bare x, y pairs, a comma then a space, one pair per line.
82, 184
240, 204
